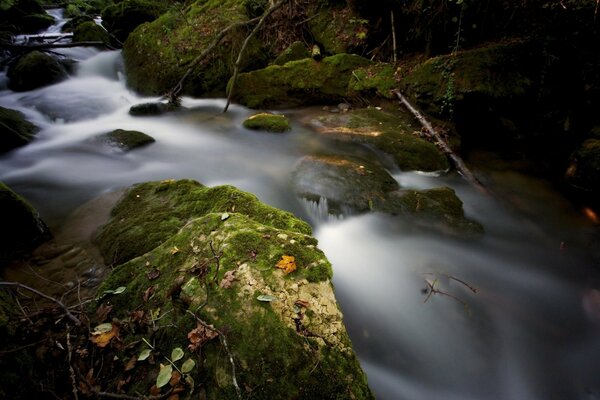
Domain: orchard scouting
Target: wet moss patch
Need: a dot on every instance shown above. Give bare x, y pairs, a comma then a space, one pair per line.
267, 122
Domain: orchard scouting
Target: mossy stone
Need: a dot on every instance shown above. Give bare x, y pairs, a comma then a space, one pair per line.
584, 167
74, 22
266, 339
35, 70
298, 82
121, 18
338, 29
375, 79
89, 31
267, 122
152, 212
15, 130
22, 229
296, 51
24, 16
349, 185
127, 140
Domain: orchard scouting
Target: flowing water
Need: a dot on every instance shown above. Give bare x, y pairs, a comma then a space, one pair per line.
530, 331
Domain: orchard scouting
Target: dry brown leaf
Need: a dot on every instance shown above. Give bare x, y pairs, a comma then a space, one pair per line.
103, 311
148, 293
287, 264
199, 336
122, 383
103, 339
173, 397
175, 378
153, 274
227, 280
131, 363
154, 391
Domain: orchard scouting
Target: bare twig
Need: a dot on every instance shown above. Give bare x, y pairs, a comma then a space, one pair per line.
236, 67
72, 372
433, 134
45, 296
393, 36
223, 340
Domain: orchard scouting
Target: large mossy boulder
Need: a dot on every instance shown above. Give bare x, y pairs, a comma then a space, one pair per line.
23, 16
390, 132
502, 72
122, 17
250, 271
89, 31
15, 130
22, 229
35, 70
159, 53
295, 51
299, 82
584, 167
337, 28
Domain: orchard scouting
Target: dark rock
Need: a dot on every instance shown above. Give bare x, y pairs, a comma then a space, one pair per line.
25, 16
126, 140
22, 229
149, 109
74, 22
35, 70
123, 17
15, 130
90, 32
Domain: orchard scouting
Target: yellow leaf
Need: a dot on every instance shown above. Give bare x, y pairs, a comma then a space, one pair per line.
103, 338
174, 250
287, 264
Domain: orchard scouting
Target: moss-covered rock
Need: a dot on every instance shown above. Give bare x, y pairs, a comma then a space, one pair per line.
267, 122
24, 16
338, 29
15, 130
349, 185
35, 70
391, 133
22, 228
499, 71
225, 257
150, 109
584, 167
296, 51
121, 18
298, 82
176, 38
170, 205
89, 31
74, 22
375, 79
126, 140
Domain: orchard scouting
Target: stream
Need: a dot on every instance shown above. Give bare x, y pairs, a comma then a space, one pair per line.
530, 331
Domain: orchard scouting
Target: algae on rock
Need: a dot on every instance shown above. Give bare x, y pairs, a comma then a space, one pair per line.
267, 122
15, 130
296, 343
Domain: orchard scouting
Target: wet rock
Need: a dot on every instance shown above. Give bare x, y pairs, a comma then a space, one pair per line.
279, 339
348, 185
15, 130
392, 133
90, 32
267, 122
74, 22
126, 140
296, 51
584, 167
298, 82
24, 16
149, 109
35, 70
22, 229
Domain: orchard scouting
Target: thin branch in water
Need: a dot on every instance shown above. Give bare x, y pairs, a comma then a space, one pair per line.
45, 296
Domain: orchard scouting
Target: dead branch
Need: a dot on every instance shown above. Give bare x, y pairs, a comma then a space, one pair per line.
45, 296
441, 142
118, 395
236, 67
223, 340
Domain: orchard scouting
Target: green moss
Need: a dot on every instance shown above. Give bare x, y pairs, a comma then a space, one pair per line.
179, 36
376, 78
127, 140
152, 212
267, 122
296, 51
23, 16
298, 82
34, 70
123, 17
15, 130
338, 29
90, 32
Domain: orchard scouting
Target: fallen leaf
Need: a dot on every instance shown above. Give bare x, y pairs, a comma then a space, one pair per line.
137, 316
175, 378
200, 335
154, 391
144, 354
164, 375
266, 298
101, 337
173, 397
287, 264
188, 366
301, 303
227, 280
224, 216
122, 383
148, 293
103, 311
153, 274
131, 363
175, 250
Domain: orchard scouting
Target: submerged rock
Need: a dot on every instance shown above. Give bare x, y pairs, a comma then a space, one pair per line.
267, 122
393, 134
35, 70
22, 229
15, 130
126, 140
264, 284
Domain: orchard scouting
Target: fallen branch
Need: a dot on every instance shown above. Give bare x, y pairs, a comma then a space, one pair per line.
45, 296
432, 134
236, 67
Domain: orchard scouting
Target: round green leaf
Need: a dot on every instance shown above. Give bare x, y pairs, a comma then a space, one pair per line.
176, 354
119, 290
144, 354
188, 365
164, 375
102, 328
